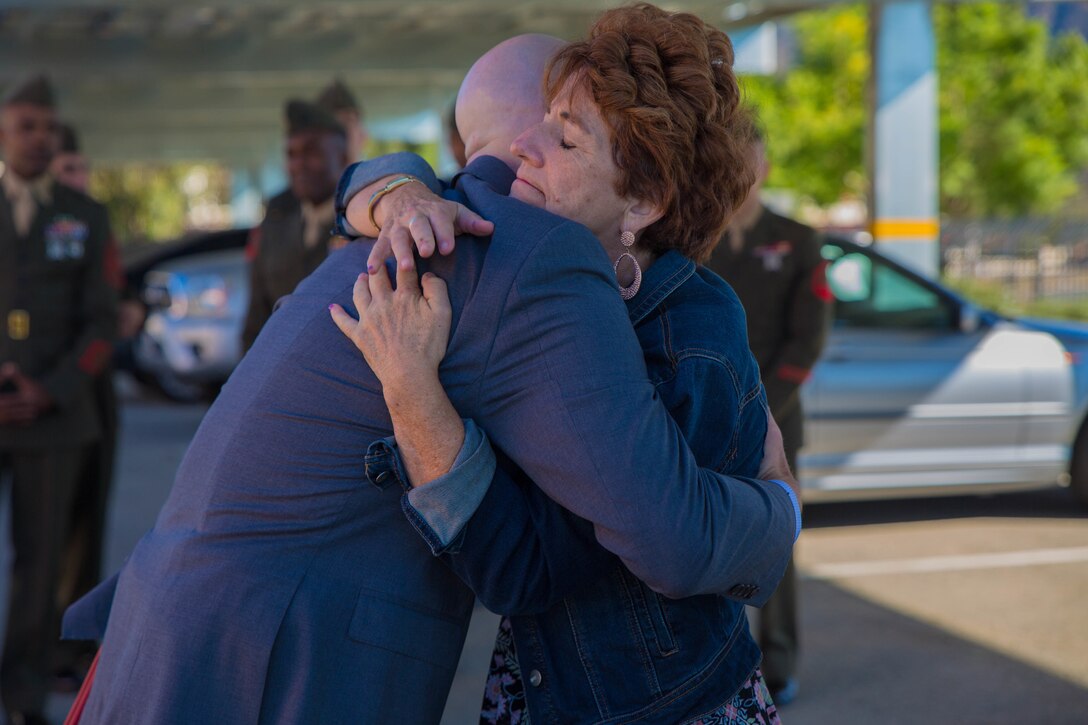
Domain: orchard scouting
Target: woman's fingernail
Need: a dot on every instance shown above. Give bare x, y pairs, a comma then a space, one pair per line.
370, 268
331, 306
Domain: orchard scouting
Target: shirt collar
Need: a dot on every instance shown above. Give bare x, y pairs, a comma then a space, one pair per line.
319, 212
663, 277
41, 188
491, 171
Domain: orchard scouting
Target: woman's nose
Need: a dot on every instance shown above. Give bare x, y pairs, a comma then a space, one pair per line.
525, 146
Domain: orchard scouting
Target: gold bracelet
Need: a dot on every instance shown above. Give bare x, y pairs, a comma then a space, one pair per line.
377, 196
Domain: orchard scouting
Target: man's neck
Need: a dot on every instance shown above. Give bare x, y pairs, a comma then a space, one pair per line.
39, 185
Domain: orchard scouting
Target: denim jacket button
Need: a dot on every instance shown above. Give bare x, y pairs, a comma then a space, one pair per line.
535, 678
381, 477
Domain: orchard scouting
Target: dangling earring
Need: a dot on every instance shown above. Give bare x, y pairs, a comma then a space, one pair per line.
627, 239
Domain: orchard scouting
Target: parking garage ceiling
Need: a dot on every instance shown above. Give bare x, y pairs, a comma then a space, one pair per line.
157, 80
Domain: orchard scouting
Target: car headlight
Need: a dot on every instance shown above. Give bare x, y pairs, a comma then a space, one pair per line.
199, 295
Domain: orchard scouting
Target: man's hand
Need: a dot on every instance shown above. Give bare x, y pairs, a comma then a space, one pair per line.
413, 217
774, 465
22, 405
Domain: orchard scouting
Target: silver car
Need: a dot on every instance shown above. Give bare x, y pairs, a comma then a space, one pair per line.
918, 392
192, 340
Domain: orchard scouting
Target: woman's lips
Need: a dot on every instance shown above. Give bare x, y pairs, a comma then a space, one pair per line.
527, 184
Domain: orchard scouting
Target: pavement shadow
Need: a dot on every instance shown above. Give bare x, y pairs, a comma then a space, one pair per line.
1056, 503
864, 663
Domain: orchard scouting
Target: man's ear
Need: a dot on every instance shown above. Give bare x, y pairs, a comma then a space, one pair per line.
641, 214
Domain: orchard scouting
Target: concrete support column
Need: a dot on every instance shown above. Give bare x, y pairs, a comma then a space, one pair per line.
902, 145
245, 198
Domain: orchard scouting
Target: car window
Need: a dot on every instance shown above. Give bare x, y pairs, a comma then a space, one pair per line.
871, 294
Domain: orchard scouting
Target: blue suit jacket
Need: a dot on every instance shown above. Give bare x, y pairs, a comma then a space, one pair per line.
281, 582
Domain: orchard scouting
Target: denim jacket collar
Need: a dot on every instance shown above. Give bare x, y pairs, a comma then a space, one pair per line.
670, 271
491, 171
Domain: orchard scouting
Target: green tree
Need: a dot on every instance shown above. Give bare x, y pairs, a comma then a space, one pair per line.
814, 115
1013, 111
145, 203
1013, 106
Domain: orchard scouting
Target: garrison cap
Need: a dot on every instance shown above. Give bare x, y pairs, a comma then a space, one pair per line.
336, 97
304, 116
69, 139
35, 90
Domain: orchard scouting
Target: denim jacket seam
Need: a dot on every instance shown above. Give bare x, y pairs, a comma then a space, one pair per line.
420, 525
587, 667
752, 394
635, 632
711, 355
665, 288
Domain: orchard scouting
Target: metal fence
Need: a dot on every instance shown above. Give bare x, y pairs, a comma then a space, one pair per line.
1032, 259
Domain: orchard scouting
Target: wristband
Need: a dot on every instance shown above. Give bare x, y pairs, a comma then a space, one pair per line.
377, 196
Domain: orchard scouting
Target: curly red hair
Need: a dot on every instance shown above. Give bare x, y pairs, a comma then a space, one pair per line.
664, 83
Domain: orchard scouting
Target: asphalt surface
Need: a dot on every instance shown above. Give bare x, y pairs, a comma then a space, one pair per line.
956, 610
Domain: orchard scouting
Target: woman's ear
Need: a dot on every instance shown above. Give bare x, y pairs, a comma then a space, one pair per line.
641, 214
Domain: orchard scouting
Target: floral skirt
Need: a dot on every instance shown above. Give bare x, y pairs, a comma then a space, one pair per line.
504, 694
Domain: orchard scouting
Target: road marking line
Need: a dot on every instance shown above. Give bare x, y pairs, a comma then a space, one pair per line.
963, 562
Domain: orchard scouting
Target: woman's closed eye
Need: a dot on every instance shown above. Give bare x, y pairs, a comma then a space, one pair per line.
564, 145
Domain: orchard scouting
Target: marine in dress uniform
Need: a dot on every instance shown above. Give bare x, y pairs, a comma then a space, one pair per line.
81, 567
57, 319
775, 267
296, 233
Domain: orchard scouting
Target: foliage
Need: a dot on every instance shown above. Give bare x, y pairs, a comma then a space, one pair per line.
153, 203
1013, 107
993, 295
1014, 111
814, 115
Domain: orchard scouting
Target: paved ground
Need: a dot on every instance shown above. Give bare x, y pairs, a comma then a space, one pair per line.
963, 610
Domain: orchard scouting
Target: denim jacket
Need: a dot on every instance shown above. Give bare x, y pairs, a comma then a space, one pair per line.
594, 643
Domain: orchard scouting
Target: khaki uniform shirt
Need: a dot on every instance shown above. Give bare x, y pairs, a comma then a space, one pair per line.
289, 244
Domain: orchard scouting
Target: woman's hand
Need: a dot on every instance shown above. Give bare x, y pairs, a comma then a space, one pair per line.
412, 217
774, 465
402, 333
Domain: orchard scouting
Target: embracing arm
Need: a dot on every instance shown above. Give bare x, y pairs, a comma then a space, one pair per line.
569, 399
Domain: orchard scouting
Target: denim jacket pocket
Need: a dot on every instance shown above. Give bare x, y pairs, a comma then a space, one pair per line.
651, 610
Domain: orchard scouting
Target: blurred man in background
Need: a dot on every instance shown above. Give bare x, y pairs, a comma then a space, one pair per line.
774, 265
339, 101
70, 167
294, 237
57, 321
81, 566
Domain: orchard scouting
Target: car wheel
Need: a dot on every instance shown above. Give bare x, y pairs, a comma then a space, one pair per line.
1078, 468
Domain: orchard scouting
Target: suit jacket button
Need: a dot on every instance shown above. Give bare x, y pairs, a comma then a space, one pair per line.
743, 591
535, 678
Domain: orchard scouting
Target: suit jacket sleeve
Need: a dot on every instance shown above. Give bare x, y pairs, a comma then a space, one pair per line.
92, 345
569, 399
807, 322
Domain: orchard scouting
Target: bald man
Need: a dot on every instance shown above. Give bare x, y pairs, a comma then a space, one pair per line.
281, 582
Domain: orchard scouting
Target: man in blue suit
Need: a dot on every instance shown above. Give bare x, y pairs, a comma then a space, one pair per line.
281, 582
